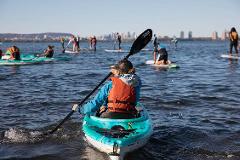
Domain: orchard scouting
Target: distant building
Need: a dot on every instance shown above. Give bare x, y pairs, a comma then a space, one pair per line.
214, 35
182, 34
190, 35
224, 35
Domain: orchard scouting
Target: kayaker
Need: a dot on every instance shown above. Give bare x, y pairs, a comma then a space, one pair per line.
155, 45
233, 36
162, 56
14, 53
49, 52
118, 97
119, 39
94, 43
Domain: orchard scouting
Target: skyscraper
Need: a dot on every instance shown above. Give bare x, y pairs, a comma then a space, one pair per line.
190, 35
224, 35
214, 35
182, 34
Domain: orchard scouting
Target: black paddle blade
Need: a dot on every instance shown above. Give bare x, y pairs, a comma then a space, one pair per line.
140, 42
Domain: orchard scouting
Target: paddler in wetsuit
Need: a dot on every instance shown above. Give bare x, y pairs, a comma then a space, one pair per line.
94, 43
162, 56
118, 97
155, 45
119, 39
233, 36
1, 54
14, 53
49, 52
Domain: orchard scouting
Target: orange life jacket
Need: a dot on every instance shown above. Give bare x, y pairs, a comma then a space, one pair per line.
122, 97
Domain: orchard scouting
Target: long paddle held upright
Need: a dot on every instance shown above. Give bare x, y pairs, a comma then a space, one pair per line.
138, 44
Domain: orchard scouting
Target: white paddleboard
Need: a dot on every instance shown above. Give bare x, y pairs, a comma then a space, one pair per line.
171, 65
116, 51
68, 51
229, 56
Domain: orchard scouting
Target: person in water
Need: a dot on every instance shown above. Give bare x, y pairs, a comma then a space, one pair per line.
94, 43
155, 45
49, 52
233, 36
119, 39
118, 97
162, 56
14, 53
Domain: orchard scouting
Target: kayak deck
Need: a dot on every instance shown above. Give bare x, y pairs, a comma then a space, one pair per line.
130, 134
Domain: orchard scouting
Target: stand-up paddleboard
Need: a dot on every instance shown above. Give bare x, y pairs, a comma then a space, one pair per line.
68, 51
171, 65
116, 51
146, 50
229, 56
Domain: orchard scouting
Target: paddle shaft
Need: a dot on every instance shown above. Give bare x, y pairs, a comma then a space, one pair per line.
70, 114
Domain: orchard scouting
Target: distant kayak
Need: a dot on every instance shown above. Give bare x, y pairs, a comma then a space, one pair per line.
171, 65
25, 60
116, 51
229, 56
117, 137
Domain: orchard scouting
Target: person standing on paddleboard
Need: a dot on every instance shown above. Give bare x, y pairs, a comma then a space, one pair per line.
1, 54
94, 43
233, 36
117, 98
73, 40
62, 40
155, 45
119, 39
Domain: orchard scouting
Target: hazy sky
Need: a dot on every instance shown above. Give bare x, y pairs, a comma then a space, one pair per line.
88, 17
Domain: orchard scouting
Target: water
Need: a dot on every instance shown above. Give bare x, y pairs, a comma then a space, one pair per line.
195, 109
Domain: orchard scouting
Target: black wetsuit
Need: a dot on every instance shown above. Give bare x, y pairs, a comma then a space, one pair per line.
234, 43
163, 55
16, 55
155, 44
49, 53
119, 41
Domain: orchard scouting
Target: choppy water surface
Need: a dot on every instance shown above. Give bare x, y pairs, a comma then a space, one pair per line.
195, 109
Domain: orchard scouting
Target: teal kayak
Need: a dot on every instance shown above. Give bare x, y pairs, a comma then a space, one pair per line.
25, 60
116, 137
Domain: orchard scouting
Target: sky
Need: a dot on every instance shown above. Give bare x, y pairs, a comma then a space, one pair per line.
98, 17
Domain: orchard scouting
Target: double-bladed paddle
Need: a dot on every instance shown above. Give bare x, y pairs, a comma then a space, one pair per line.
138, 44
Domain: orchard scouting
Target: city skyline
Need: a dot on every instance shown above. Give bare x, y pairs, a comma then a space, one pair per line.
95, 17
101, 17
